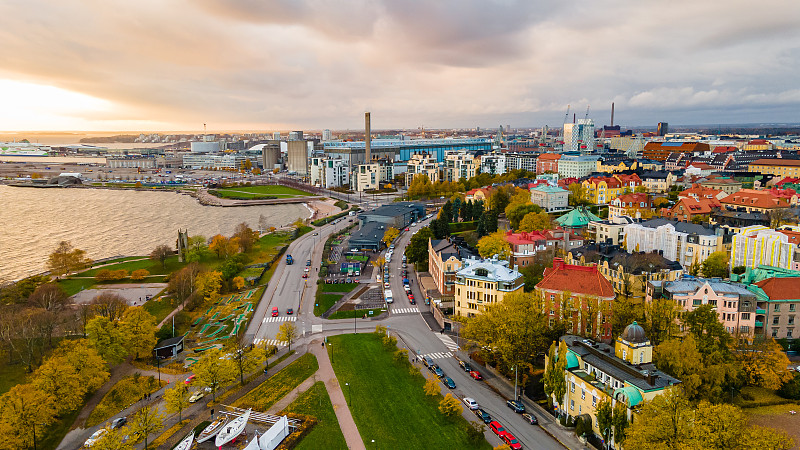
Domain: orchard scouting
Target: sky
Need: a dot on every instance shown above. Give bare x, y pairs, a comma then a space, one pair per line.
152, 65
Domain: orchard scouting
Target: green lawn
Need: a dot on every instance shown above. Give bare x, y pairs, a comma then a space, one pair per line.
11, 375
378, 383
358, 313
343, 287
160, 308
255, 192
280, 384
324, 302
326, 434
126, 392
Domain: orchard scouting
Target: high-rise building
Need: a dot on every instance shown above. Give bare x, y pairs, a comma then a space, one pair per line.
327, 135
297, 157
296, 135
579, 136
276, 135
663, 128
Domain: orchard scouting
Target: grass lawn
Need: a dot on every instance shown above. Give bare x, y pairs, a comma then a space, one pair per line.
160, 308
778, 417
279, 384
126, 392
11, 375
357, 313
53, 434
324, 302
261, 191
378, 382
326, 433
342, 287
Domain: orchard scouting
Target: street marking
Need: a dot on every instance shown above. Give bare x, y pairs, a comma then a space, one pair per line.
438, 355
448, 342
274, 342
279, 319
405, 310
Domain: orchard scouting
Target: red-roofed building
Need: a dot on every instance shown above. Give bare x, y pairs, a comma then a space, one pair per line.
659, 151
589, 292
631, 181
785, 180
699, 168
547, 162
687, 208
636, 205
698, 192
790, 195
751, 200
782, 306
565, 182
724, 149
525, 244
478, 194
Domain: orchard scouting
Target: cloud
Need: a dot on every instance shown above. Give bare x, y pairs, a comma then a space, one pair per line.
320, 64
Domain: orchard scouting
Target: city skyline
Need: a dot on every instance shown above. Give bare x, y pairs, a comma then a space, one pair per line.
300, 65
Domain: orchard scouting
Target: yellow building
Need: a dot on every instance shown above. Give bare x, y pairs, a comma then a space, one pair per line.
596, 372
776, 166
481, 283
616, 166
601, 190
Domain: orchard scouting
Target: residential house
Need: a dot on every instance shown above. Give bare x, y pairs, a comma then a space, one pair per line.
482, 283
579, 295
684, 242
697, 191
422, 163
734, 221
550, 198
726, 185
617, 165
637, 205
445, 258
781, 297
687, 208
659, 151
776, 166
699, 168
525, 244
751, 200
481, 194
601, 190
657, 181
610, 232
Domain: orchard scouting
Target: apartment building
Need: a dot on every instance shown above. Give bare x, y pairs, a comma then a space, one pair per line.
445, 258
547, 162
367, 177
657, 181
482, 283
525, 245
329, 172
576, 166
751, 200
495, 164
687, 208
550, 198
758, 245
637, 205
458, 165
776, 166
684, 242
422, 163
611, 231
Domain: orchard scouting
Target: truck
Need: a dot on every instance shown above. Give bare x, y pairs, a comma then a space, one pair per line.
289, 260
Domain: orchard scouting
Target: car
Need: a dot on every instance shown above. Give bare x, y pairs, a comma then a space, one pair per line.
412, 301
449, 382
290, 311
386, 285
405, 280
189, 379
306, 270
465, 366
512, 442
410, 296
530, 418
406, 229
275, 312
308, 262
391, 246
475, 374
483, 415
316, 234
404, 265
428, 361
471, 403
118, 422
427, 300
516, 405
94, 437
436, 370
197, 396
305, 275
497, 428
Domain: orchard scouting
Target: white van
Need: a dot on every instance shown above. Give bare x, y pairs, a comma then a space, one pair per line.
388, 296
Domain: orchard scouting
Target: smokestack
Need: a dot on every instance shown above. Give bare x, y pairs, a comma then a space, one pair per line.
612, 114
367, 138
573, 117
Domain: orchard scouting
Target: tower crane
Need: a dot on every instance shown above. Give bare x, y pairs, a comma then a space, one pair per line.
566, 116
586, 117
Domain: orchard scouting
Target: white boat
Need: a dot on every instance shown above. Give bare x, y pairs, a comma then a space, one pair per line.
212, 430
253, 445
233, 429
186, 443
22, 151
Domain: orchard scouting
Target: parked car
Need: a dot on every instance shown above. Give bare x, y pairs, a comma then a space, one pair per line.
475, 374
428, 361
290, 311
391, 246
305, 275
471, 403
497, 428
512, 442
118, 422
386, 285
94, 437
516, 405
465, 365
437, 370
197, 396
483, 415
189, 379
316, 234
410, 296
449, 382
308, 262
530, 418
275, 312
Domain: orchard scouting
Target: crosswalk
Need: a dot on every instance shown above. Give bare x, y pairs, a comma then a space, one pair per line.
279, 319
438, 355
260, 342
448, 342
414, 310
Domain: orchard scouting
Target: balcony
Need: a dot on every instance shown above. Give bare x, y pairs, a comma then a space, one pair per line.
759, 323
760, 311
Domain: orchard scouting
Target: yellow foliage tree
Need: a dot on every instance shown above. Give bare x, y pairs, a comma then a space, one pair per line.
536, 221
287, 332
176, 399
208, 284
140, 274
22, 408
450, 406
432, 387
390, 235
238, 283
66, 259
139, 327
494, 244
764, 363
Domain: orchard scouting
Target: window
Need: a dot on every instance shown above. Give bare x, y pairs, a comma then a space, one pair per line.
777, 307
791, 307
594, 401
774, 332
583, 394
775, 320
789, 333
696, 302
745, 316
572, 387
572, 405
791, 320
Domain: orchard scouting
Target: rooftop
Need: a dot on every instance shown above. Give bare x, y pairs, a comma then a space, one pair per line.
488, 269
580, 280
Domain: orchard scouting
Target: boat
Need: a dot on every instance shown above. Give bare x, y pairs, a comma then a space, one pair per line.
212, 430
233, 429
186, 443
22, 151
253, 445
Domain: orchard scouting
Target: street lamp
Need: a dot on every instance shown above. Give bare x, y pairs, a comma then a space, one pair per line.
605, 434
330, 346
348, 393
516, 376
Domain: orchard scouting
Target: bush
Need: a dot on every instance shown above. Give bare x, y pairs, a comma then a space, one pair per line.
790, 389
475, 432
579, 427
140, 274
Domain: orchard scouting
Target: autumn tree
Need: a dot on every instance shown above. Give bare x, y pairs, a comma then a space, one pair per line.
140, 274
555, 385
763, 362
23, 410
208, 284
494, 244
287, 332
624, 312
379, 263
176, 399
107, 339
515, 212
247, 238
66, 259
238, 283
114, 439
219, 245
181, 283
390, 235
660, 315
703, 375
214, 371
146, 422
577, 195
139, 329
109, 305
716, 265
50, 297
247, 359
536, 221
161, 253
417, 249
605, 418
432, 387
450, 406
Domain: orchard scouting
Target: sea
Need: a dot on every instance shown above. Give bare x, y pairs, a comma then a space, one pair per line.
106, 223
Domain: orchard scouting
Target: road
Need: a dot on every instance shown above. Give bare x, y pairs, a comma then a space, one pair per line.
288, 289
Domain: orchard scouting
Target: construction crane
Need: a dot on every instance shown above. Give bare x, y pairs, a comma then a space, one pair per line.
566, 116
586, 117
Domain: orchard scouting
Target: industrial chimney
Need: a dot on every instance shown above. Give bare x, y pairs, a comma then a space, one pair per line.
612, 114
367, 138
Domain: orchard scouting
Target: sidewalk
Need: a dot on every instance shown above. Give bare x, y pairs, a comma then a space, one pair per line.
343, 416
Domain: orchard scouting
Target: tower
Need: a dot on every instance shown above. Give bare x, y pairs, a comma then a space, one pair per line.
367, 138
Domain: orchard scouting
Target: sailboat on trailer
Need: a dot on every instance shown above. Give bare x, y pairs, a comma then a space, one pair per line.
212, 430
233, 429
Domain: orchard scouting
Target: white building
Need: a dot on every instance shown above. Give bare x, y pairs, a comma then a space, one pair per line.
231, 161
459, 164
576, 166
550, 198
684, 242
327, 135
579, 137
757, 245
494, 164
422, 163
367, 177
329, 172
521, 160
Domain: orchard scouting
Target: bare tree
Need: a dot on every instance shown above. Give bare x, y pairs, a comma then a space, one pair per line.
263, 223
247, 237
778, 217
181, 283
109, 305
161, 253
50, 297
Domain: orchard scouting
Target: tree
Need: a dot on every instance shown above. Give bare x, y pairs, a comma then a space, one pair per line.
247, 359
447, 212
605, 418
432, 387
85, 360
417, 248
466, 211
181, 283
60, 381
113, 440
197, 248
703, 322
494, 244
146, 422
390, 235
214, 371
380, 262
247, 237
620, 421
716, 265
176, 399
140, 274
515, 212
555, 385
660, 315
660, 202
238, 283
24, 410
107, 339
536, 221
577, 195
49, 296
208, 284
763, 362
219, 245
139, 328
161, 253
703, 375
109, 305
778, 217
450, 406
287, 332
625, 311
66, 259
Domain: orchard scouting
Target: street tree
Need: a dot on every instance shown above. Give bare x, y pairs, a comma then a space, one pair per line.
555, 384
716, 265
161, 253
114, 440
432, 387
605, 418
66, 259
287, 332
49, 296
176, 399
450, 406
146, 422
109, 305
107, 339
536, 221
390, 235
494, 244
213, 370
379, 262
139, 329
24, 410
763, 362
417, 248
247, 359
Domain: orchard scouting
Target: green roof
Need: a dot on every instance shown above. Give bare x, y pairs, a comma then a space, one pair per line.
763, 272
632, 395
577, 218
572, 360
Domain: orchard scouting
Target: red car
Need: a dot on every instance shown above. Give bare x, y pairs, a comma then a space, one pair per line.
275, 311
190, 379
512, 442
475, 374
305, 275
410, 296
497, 428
